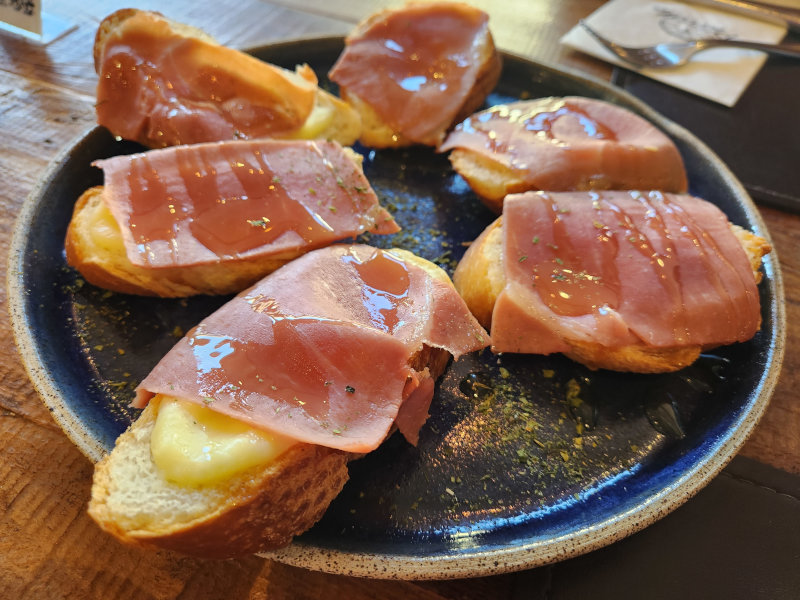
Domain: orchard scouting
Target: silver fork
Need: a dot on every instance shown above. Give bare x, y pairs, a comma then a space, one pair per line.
675, 54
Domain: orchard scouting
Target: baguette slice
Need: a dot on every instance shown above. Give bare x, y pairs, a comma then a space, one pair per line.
399, 102
96, 246
200, 91
259, 509
264, 506
562, 144
480, 278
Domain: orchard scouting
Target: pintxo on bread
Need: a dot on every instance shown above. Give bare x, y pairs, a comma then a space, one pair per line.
622, 280
562, 144
413, 72
322, 359
163, 83
213, 218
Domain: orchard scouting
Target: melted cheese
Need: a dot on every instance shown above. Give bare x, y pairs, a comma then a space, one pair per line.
193, 445
105, 232
318, 121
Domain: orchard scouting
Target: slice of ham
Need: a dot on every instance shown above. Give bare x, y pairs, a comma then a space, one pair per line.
413, 411
620, 268
319, 350
415, 66
162, 87
205, 203
573, 143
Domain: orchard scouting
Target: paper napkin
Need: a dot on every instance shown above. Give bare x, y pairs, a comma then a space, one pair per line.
719, 74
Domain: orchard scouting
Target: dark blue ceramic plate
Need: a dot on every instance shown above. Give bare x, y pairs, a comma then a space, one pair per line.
525, 460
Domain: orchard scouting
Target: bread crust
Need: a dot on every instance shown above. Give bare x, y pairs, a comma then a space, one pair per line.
491, 180
480, 278
104, 31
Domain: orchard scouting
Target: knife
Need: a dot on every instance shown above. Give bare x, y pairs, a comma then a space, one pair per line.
755, 11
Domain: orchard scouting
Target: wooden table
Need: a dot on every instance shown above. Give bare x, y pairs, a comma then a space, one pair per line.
49, 548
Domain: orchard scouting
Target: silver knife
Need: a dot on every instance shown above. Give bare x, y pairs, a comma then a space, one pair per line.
755, 11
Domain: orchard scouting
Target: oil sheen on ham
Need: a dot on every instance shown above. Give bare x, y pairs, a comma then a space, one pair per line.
620, 268
162, 88
203, 203
573, 143
415, 67
319, 350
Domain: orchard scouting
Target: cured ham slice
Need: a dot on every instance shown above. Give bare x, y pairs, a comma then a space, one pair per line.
619, 269
206, 203
562, 144
419, 67
163, 84
321, 350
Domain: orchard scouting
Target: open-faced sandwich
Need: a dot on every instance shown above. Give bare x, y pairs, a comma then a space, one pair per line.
629, 281
163, 83
413, 72
562, 144
251, 418
214, 218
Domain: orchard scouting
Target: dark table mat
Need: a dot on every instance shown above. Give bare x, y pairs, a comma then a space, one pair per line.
758, 138
739, 538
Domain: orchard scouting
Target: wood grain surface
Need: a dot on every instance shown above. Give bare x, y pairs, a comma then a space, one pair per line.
49, 548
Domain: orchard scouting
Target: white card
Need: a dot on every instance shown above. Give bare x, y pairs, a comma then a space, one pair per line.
720, 74
24, 14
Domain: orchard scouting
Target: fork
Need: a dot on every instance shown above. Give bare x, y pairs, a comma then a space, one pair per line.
667, 55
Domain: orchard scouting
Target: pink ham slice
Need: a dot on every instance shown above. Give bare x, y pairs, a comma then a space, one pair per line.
620, 268
415, 66
414, 410
162, 86
573, 143
204, 203
319, 350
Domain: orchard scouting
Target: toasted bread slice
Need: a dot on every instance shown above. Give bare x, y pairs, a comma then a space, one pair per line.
480, 279
329, 119
95, 244
568, 143
489, 179
259, 509
378, 132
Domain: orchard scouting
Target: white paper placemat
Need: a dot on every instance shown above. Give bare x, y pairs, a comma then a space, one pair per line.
720, 74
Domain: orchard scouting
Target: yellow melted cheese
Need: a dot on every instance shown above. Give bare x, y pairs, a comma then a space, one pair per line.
106, 234
318, 121
193, 445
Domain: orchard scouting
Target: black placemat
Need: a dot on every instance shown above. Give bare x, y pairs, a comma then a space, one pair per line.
739, 538
758, 138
